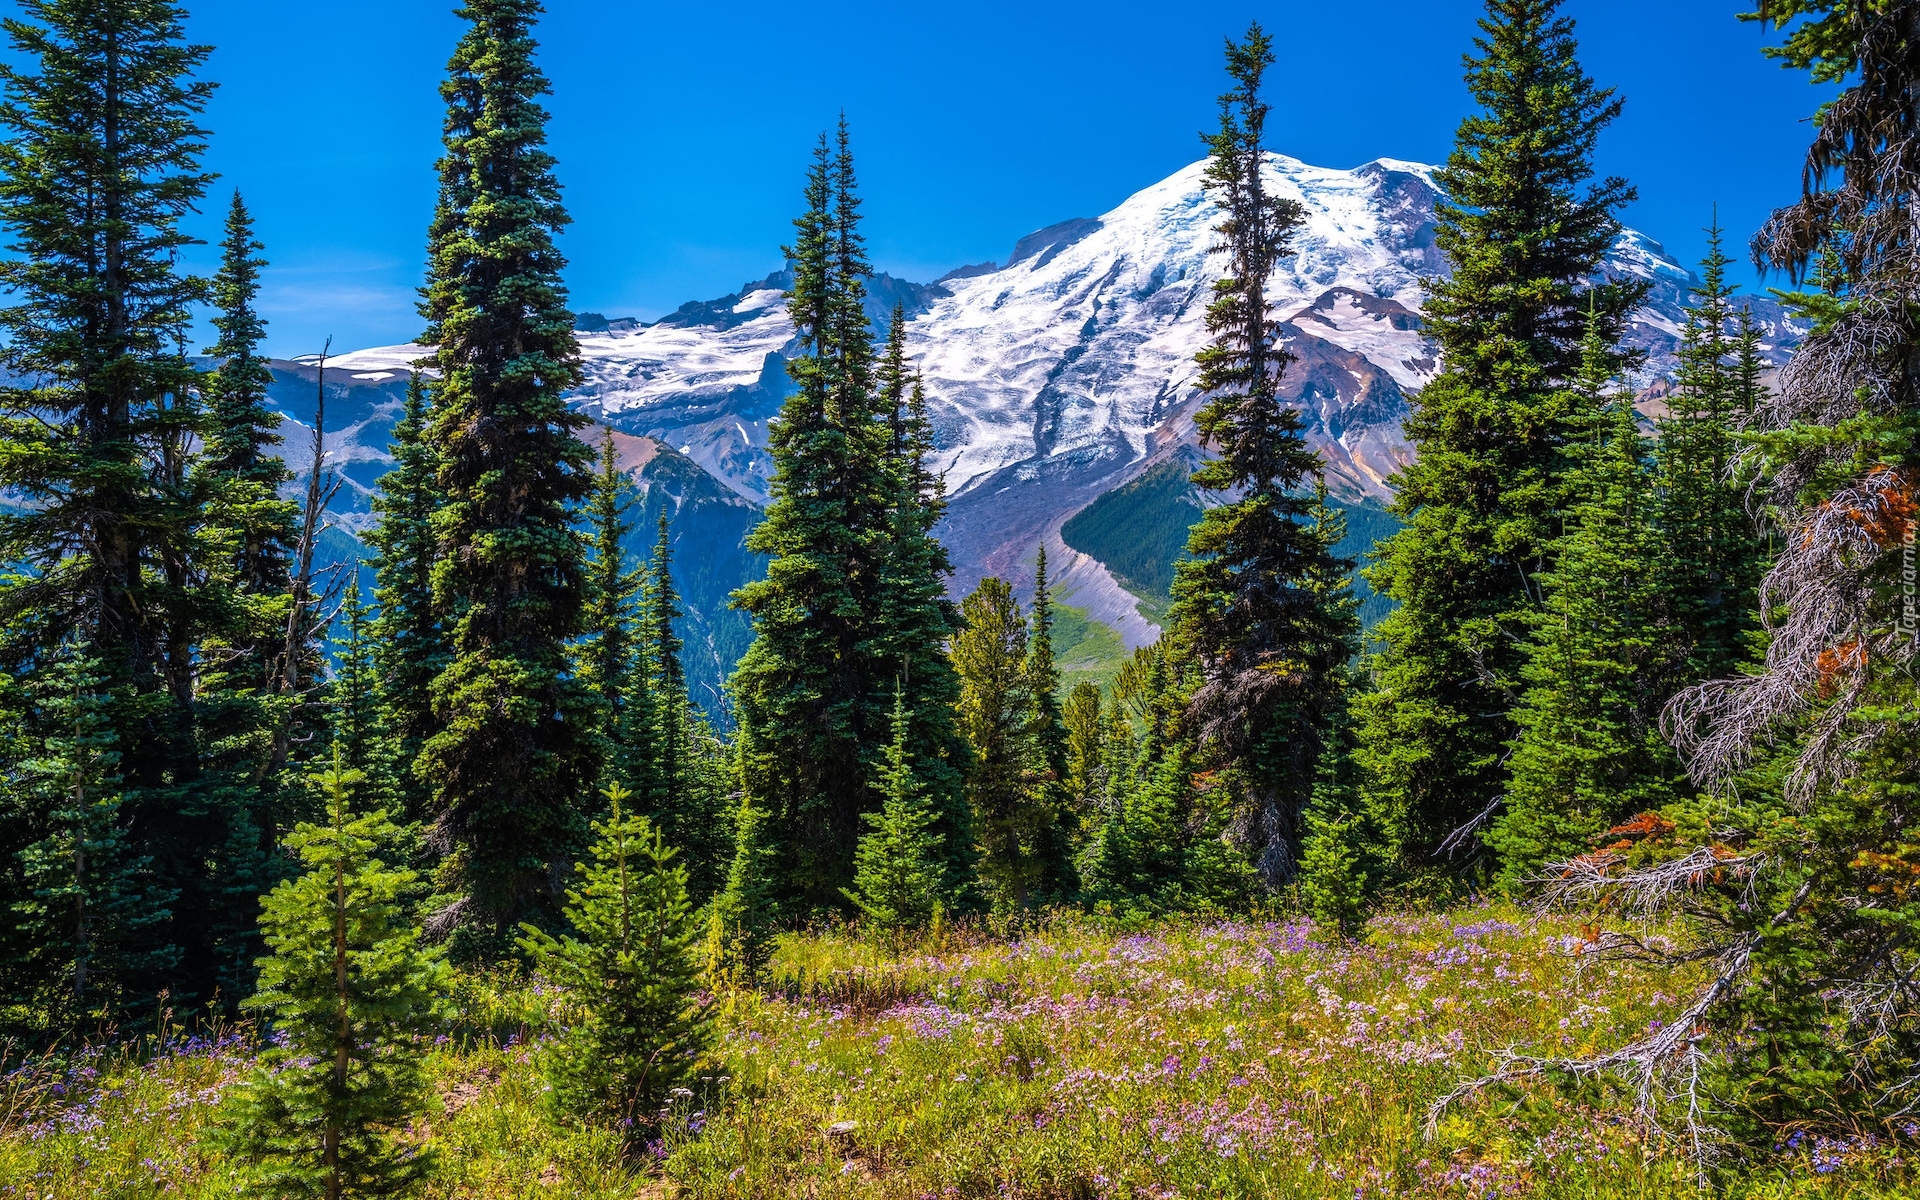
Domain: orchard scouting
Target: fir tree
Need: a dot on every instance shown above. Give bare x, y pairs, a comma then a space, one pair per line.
248, 538
812, 686
916, 620
1270, 643
899, 875
610, 663
1011, 824
240, 471
99, 163
409, 641
1342, 855
670, 712
638, 1028
354, 703
1086, 732
691, 768
1048, 739
349, 989
743, 917
85, 909
1524, 231
513, 750
1589, 753
1714, 555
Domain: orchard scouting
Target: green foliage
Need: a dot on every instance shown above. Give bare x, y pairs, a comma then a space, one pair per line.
100, 418
899, 879
1263, 607
1014, 827
1714, 552
512, 749
744, 915
1343, 854
636, 1028
1589, 753
85, 916
409, 640
1525, 228
611, 663
1139, 530
349, 990
853, 601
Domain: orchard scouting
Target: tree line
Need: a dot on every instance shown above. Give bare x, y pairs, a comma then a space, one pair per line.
1623, 670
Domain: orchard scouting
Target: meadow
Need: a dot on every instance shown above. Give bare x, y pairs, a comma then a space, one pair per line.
1074, 1060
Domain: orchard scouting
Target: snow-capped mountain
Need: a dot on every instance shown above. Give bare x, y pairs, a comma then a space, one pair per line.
1068, 371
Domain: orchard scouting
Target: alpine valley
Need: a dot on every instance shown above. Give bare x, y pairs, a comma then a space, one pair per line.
1061, 383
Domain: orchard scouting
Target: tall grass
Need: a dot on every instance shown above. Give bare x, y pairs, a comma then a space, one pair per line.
1193, 1059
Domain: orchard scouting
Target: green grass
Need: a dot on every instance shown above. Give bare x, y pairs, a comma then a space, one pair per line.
1225, 1058
1086, 650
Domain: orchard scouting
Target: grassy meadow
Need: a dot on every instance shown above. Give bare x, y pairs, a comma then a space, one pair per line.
1073, 1061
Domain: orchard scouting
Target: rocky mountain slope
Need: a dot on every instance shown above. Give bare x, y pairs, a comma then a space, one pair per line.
1067, 372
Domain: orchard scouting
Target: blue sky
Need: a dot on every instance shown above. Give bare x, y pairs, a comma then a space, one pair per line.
682, 130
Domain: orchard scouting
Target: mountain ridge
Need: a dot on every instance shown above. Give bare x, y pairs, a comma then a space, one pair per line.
1067, 372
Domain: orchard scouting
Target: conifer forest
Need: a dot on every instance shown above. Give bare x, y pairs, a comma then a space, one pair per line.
1554, 842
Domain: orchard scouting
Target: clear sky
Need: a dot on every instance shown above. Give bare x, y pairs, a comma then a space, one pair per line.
682, 129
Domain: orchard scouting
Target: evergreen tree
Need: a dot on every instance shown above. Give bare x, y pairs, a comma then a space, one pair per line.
609, 663
899, 875
1589, 753
1714, 555
409, 641
747, 909
349, 989
1524, 232
1086, 732
513, 750
84, 909
248, 537
252, 526
98, 164
670, 713
1048, 738
1342, 855
1012, 824
638, 1028
354, 707
916, 620
1270, 643
813, 686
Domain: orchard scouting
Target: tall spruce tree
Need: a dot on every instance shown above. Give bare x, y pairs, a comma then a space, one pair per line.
1589, 753
1049, 746
915, 619
670, 715
513, 752
1010, 825
813, 686
1715, 551
409, 638
609, 659
239, 468
1524, 231
247, 538
99, 163
1270, 641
